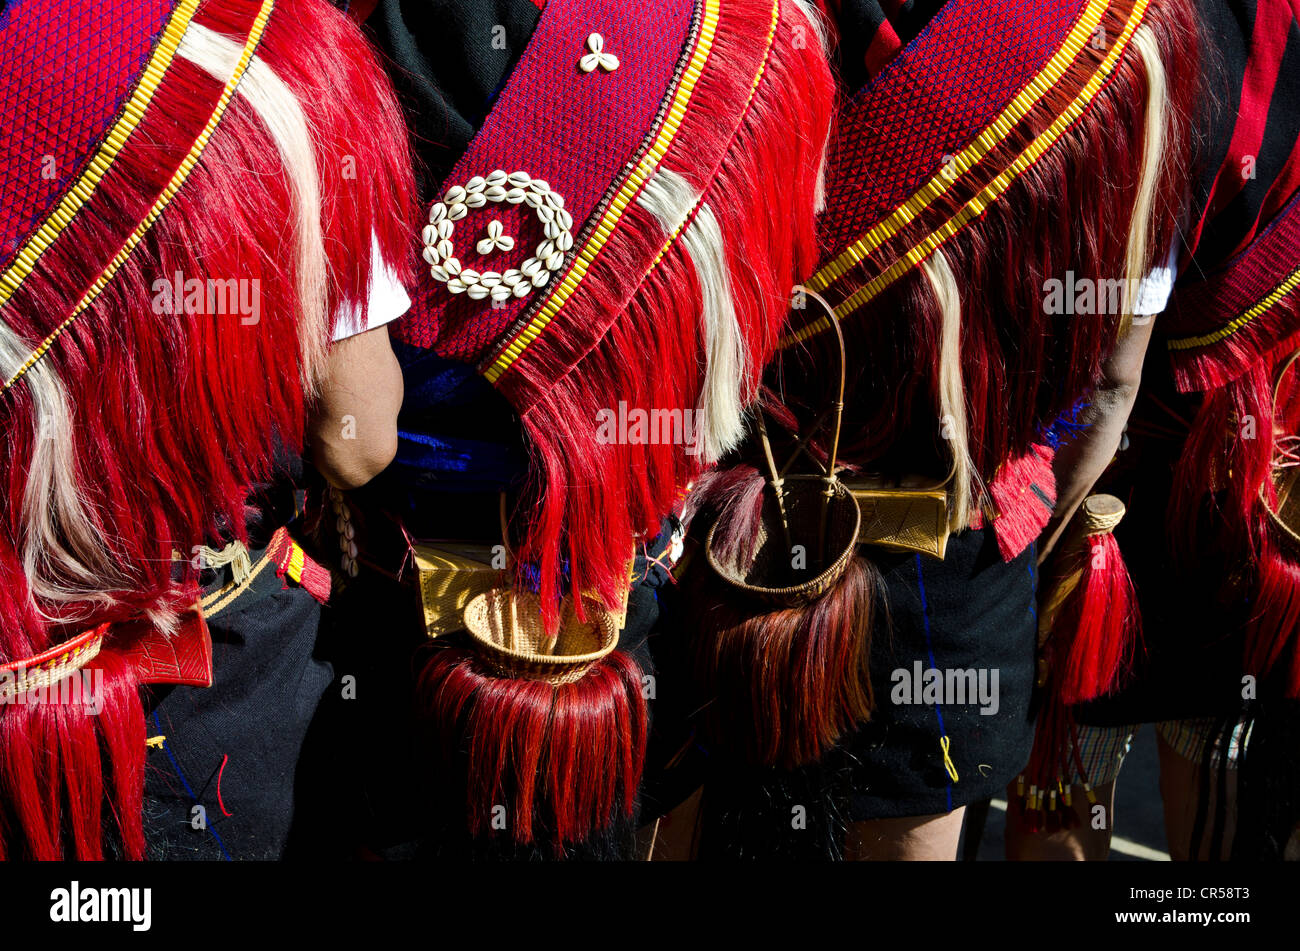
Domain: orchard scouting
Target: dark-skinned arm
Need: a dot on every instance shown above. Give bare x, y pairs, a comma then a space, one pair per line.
1080, 462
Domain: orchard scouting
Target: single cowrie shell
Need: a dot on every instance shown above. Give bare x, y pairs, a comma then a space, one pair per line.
516, 195
552, 230
343, 544
439, 273
348, 530
540, 278
437, 212
445, 249
496, 193
457, 212
476, 184
445, 228
469, 276
522, 289
477, 200
452, 265
340, 524
564, 218
546, 213
555, 201
545, 249
455, 195
431, 255
520, 179
429, 234
501, 292
478, 291
352, 569
457, 286
555, 261
530, 267
496, 177
352, 550
540, 186
512, 277
565, 241
489, 279
533, 200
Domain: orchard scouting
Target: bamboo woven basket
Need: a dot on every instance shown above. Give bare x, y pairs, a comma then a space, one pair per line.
506, 626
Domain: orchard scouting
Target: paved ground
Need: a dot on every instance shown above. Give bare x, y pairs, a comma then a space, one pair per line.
1139, 827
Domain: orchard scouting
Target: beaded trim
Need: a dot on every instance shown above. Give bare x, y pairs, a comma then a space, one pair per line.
977, 205
1289, 284
51, 666
993, 135
84, 188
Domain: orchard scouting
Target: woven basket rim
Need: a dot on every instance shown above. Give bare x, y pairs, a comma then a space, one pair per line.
597, 615
806, 588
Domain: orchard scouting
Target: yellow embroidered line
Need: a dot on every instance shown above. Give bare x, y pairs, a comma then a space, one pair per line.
218, 601
945, 744
758, 77
990, 193
992, 136
84, 188
614, 212
1290, 283
168, 193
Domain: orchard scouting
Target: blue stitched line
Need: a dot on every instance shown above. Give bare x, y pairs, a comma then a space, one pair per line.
186, 783
925, 623
1033, 583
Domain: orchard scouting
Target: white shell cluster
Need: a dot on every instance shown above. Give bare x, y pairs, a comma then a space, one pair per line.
514, 188
347, 533
597, 57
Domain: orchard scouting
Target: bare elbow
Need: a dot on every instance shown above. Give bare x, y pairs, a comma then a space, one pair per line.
352, 464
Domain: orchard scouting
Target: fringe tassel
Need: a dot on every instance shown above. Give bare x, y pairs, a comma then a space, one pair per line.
783, 680
64, 765
668, 352
1098, 628
547, 762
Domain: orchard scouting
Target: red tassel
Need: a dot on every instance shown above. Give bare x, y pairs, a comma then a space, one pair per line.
565, 760
61, 762
783, 682
1097, 629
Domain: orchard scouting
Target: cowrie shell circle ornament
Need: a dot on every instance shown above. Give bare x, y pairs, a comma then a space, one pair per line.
498, 186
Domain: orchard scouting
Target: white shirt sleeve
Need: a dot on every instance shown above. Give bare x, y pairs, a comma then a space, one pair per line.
388, 300
1155, 288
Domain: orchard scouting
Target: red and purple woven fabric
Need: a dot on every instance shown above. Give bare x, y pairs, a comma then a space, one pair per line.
66, 71
576, 131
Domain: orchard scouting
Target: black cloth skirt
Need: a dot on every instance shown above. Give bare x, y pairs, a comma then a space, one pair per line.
970, 617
